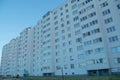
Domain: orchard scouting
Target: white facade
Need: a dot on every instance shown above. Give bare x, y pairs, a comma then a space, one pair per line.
0, 70
79, 37
9, 58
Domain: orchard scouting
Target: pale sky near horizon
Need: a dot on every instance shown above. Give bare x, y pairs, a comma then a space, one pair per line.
15, 15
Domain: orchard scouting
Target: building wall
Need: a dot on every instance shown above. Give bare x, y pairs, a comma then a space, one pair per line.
25, 51
36, 50
79, 37
9, 58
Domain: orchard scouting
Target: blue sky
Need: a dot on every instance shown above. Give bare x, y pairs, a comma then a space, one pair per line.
15, 15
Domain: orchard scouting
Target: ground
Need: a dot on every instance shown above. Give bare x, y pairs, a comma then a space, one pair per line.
113, 77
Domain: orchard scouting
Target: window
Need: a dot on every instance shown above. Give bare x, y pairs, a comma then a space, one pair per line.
57, 53
83, 18
68, 22
56, 22
99, 50
56, 40
66, 10
67, 16
87, 43
111, 29
115, 49
62, 25
85, 26
108, 20
66, 5
78, 40
57, 46
64, 51
69, 35
100, 60
81, 56
87, 1
79, 48
74, 6
71, 58
104, 4
77, 32
90, 7
63, 31
88, 52
68, 28
61, 8
82, 11
70, 49
76, 25
63, 37
65, 66
72, 66
74, 12
95, 31
113, 39
86, 34
47, 19
105, 12
81, 4
58, 67
55, 12
56, 34
64, 44
57, 60
118, 6
83, 64
117, 60
92, 14
93, 22
62, 19
76, 18
70, 42
56, 28
61, 14
72, 1
97, 40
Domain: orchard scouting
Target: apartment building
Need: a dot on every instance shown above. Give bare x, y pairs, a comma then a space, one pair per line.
36, 47
10, 58
0, 71
80, 37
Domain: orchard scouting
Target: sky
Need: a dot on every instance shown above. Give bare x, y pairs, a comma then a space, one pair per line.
15, 15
